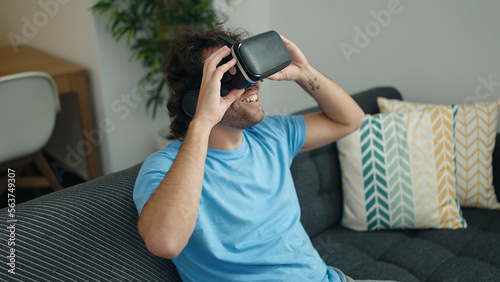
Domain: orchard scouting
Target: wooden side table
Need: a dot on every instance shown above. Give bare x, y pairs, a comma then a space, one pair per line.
69, 78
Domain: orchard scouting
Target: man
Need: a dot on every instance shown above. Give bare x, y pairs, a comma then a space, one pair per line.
220, 201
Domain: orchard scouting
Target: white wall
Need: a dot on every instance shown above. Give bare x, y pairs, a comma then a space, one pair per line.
432, 51
132, 135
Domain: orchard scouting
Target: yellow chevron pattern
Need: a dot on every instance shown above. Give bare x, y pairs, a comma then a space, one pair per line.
426, 140
354, 213
475, 133
421, 142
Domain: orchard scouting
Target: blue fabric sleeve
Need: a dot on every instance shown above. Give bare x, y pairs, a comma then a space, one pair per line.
151, 174
297, 133
294, 130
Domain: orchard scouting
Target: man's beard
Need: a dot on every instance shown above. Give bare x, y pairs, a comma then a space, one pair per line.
242, 118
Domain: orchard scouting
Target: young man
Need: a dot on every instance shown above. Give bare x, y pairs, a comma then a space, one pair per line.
220, 201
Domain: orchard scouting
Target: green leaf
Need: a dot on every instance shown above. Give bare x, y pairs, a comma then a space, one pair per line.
129, 36
101, 7
111, 17
201, 5
120, 32
156, 64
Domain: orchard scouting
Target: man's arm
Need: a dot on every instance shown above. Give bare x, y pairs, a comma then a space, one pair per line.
168, 218
340, 114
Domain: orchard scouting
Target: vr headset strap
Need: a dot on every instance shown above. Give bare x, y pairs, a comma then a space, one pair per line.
192, 81
229, 41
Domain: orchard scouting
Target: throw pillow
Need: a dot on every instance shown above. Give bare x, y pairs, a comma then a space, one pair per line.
475, 133
398, 171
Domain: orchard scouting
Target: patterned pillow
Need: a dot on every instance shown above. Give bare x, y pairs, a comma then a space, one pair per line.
475, 133
398, 171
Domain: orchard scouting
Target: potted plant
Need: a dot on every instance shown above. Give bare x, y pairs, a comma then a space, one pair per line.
150, 28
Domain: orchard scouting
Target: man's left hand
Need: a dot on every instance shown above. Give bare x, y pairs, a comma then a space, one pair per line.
299, 63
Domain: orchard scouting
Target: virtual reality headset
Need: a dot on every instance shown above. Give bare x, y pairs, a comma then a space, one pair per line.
258, 57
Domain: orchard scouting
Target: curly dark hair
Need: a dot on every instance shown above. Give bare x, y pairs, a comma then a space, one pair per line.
185, 60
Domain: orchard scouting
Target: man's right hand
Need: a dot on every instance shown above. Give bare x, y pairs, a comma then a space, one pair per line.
211, 106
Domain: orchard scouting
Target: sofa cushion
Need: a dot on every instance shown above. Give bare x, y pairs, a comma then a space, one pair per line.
398, 171
319, 188
84, 233
418, 254
476, 129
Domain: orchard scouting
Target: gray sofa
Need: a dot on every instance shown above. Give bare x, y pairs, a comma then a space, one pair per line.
88, 232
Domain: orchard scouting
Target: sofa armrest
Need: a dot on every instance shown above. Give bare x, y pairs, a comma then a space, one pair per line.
85, 232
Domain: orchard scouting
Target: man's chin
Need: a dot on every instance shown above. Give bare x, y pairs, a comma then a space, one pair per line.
243, 118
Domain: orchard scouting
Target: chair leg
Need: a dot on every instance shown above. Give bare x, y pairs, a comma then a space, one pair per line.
13, 165
4, 185
17, 163
46, 170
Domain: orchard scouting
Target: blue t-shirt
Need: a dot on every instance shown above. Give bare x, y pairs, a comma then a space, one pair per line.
248, 226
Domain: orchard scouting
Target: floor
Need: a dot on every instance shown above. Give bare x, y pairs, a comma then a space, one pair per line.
68, 179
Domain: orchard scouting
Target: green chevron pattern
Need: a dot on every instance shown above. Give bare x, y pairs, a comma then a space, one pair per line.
398, 169
374, 174
392, 170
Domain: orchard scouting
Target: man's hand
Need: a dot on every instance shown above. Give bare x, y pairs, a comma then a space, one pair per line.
340, 114
298, 66
211, 106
